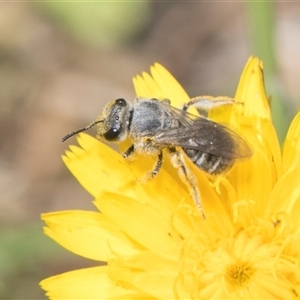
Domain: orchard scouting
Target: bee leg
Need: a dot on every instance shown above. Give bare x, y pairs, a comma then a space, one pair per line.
157, 166
205, 103
129, 152
150, 175
186, 176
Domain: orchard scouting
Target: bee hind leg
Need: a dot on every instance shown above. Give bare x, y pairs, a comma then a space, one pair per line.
205, 103
187, 177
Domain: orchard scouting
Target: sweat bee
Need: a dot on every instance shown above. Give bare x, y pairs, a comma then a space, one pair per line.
153, 125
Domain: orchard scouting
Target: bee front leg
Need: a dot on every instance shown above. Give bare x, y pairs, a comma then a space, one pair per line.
187, 177
129, 152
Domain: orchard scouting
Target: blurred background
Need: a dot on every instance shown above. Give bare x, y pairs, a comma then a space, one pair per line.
61, 62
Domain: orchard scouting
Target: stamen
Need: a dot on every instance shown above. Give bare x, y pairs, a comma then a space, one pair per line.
238, 275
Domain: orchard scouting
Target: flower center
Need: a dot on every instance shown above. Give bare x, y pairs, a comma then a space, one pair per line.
238, 275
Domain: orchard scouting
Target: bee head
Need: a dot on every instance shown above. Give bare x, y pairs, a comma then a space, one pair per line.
116, 119
113, 122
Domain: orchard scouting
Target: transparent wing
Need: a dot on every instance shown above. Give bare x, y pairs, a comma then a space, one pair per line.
204, 135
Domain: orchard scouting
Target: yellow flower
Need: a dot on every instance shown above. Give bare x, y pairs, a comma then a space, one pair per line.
151, 236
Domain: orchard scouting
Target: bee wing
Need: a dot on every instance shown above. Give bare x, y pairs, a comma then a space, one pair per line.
207, 136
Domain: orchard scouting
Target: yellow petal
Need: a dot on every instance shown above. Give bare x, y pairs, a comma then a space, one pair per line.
253, 180
161, 85
146, 87
98, 168
146, 260
158, 283
92, 283
251, 90
89, 234
163, 192
148, 272
255, 112
171, 89
285, 198
253, 120
267, 287
292, 144
141, 222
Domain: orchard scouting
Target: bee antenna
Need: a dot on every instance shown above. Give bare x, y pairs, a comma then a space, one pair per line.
80, 130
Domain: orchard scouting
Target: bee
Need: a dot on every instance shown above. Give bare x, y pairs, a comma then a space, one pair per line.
153, 125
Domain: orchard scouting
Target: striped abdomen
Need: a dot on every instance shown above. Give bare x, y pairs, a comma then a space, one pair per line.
209, 163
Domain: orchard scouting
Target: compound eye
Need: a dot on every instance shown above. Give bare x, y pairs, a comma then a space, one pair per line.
112, 134
121, 101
